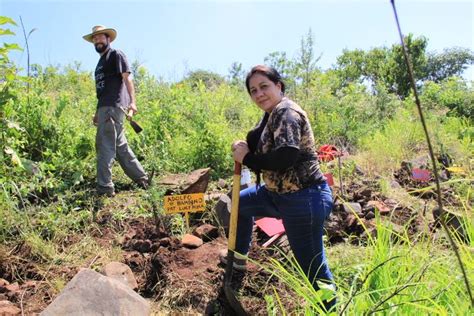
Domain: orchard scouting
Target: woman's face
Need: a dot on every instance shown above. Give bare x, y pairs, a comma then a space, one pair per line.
264, 92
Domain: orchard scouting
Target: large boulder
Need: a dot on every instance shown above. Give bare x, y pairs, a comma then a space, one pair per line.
91, 293
195, 182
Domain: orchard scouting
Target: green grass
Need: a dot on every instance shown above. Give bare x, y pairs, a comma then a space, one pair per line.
387, 276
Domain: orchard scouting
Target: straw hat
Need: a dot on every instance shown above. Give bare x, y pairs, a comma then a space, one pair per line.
100, 29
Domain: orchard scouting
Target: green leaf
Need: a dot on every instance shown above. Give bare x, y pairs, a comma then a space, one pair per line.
6, 32
10, 76
12, 46
5, 20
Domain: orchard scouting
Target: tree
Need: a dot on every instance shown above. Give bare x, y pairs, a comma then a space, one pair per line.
351, 66
451, 62
236, 73
280, 62
7, 68
398, 81
384, 67
8, 79
209, 79
306, 62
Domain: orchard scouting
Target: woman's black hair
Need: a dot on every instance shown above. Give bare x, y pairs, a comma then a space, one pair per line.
269, 72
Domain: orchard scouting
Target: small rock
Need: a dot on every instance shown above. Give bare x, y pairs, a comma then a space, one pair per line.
368, 208
372, 231
165, 242
191, 241
122, 273
358, 170
350, 220
370, 215
352, 207
145, 246
383, 209
395, 185
206, 232
141, 245
221, 183
444, 175
390, 202
365, 193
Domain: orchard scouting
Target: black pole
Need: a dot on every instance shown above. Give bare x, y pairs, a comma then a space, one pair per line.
433, 160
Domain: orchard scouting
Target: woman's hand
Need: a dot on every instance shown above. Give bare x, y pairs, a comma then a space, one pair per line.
239, 150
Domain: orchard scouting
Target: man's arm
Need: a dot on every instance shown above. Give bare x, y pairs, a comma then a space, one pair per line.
131, 91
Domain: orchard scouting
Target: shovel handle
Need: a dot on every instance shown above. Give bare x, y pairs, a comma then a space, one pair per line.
234, 212
237, 168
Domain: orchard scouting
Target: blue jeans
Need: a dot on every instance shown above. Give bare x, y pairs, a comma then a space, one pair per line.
303, 214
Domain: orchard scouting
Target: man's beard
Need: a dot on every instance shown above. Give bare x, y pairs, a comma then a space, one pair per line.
102, 48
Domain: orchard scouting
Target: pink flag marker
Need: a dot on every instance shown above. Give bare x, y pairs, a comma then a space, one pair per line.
421, 175
270, 226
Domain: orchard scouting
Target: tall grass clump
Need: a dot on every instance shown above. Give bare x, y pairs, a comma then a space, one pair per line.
389, 275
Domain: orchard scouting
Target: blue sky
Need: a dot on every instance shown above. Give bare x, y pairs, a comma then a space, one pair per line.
171, 38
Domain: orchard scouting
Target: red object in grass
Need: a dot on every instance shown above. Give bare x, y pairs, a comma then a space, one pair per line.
270, 226
328, 152
421, 175
329, 179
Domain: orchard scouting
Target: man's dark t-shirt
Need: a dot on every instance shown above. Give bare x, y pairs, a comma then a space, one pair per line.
110, 88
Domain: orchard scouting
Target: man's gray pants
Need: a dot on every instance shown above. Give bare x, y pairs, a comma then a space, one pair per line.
110, 144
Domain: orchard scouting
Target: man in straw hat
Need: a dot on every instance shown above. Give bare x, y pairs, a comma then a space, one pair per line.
116, 96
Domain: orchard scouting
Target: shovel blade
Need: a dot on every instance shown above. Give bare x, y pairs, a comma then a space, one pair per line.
137, 128
229, 293
234, 303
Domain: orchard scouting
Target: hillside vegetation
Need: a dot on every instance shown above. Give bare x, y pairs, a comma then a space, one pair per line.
363, 105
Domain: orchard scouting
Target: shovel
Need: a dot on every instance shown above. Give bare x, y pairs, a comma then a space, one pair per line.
229, 293
137, 128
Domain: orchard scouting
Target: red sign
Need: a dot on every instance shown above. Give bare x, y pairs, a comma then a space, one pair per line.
329, 179
328, 152
421, 175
